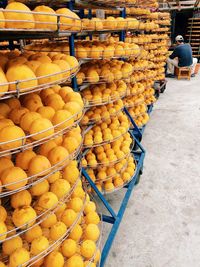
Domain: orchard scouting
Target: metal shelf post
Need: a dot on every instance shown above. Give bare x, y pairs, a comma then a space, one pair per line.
122, 36
70, 5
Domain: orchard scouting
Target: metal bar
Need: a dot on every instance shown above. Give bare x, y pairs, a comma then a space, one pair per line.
11, 45
99, 194
72, 53
120, 214
3, 3
122, 34
108, 219
81, 13
137, 142
70, 5
150, 108
133, 122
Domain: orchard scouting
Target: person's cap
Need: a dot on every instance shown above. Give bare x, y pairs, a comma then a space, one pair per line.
179, 38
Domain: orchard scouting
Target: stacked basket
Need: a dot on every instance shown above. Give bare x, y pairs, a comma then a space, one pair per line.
46, 216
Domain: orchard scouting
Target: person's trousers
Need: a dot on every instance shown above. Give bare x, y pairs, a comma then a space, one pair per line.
172, 63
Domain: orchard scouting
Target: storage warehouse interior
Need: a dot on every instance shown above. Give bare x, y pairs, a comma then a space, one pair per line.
99, 143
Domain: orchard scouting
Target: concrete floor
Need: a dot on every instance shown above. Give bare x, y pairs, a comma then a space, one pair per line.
161, 226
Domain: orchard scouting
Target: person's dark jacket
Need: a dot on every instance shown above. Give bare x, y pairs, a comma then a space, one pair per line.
184, 54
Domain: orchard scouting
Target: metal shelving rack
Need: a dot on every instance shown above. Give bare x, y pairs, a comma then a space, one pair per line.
113, 218
194, 35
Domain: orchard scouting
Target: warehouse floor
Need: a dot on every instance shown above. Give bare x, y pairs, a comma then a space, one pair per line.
161, 226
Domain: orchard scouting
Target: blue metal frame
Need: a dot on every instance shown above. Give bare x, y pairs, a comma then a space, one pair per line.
122, 34
3, 3
70, 5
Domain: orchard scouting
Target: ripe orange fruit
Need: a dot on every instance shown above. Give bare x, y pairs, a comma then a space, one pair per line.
38, 245
33, 64
39, 165
19, 257
3, 79
58, 230
46, 147
13, 178
24, 217
68, 217
53, 177
19, 73
39, 188
88, 248
54, 259
49, 221
11, 133
3, 230
46, 112
60, 188
48, 69
70, 143
33, 104
68, 248
58, 155
47, 200
64, 66
74, 261
16, 114
3, 214
92, 217
23, 159
9, 246
25, 16
47, 21
20, 199
5, 163
55, 101
33, 233
41, 125
91, 232
4, 110
71, 174
62, 119
76, 233
13, 103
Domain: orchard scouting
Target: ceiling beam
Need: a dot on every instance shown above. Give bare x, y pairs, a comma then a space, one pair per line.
197, 3
175, 7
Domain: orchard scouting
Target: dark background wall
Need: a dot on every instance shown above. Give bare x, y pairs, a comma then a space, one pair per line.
180, 23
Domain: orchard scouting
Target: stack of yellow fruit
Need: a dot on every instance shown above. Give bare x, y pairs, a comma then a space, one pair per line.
51, 238
29, 167
135, 89
139, 96
16, 15
35, 117
108, 154
107, 131
102, 113
140, 64
149, 96
110, 23
90, 49
104, 71
104, 93
134, 100
142, 75
108, 179
20, 72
